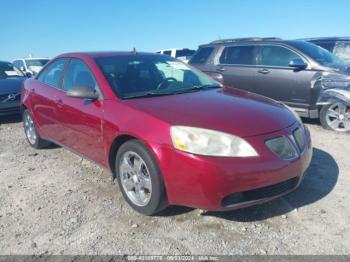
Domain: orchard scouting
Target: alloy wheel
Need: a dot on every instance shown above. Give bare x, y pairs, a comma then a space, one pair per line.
135, 178
30, 129
338, 117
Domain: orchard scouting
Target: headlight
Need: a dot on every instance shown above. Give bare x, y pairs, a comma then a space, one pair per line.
282, 147
295, 114
209, 142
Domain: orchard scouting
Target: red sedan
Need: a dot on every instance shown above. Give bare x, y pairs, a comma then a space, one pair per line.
169, 134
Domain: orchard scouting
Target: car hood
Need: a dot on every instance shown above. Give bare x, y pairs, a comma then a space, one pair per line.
228, 110
11, 85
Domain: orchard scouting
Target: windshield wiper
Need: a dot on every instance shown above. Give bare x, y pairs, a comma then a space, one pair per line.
172, 92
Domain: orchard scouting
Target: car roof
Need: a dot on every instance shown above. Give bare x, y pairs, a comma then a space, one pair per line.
327, 39
4, 62
104, 54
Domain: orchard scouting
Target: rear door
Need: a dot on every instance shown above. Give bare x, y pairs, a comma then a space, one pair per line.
44, 96
277, 80
82, 118
237, 64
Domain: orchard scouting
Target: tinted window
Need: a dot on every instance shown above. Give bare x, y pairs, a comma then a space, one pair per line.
202, 55
184, 53
167, 52
137, 76
277, 56
238, 55
342, 50
52, 74
78, 74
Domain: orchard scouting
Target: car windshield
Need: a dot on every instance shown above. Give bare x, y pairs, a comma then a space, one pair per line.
151, 75
36, 62
7, 70
319, 54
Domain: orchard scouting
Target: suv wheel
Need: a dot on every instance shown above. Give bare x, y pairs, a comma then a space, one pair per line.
336, 117
32, 135
139, 178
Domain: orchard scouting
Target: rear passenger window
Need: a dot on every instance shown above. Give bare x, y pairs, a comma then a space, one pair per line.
238, 55
52, 74
277, 56
202, 55
167, 53
78, 74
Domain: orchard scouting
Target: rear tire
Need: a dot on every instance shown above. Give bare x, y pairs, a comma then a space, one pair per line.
31, 132
336, 117
140, 179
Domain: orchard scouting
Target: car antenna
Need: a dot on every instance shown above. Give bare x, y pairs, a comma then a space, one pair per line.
134, 51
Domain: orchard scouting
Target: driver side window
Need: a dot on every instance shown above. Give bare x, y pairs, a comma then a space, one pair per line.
277, 56
78, 74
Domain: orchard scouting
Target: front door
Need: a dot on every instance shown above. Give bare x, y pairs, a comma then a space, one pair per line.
277, 80
82, 118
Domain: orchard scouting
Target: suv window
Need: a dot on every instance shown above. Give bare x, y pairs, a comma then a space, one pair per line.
202, 55
78, 74
277, 56
238, 55
52, 74
167, 52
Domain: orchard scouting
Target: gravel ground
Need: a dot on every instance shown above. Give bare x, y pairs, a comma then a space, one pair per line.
53, 202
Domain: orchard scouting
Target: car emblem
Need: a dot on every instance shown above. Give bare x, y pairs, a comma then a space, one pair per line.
10, 97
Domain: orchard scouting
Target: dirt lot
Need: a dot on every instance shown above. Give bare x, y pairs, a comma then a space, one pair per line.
52, 201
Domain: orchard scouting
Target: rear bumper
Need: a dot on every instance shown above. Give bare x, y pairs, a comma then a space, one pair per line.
218, 184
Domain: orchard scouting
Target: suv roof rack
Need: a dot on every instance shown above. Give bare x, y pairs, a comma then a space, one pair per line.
233, 40
339, 38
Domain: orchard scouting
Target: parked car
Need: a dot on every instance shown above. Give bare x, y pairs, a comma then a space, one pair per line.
340, 46
311, 80
169, 134
183, 54
30, 66
10, 84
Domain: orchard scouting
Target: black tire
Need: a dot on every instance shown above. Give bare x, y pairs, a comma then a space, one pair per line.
158, 200
38, 142
323, 118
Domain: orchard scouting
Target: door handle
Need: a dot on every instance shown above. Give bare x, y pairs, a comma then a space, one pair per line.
59, 103
264, 71
220, 69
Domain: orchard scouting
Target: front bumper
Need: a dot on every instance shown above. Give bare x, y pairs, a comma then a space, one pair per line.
10, 108
212, 183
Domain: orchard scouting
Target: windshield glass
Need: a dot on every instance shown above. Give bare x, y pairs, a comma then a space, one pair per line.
146, 75
319, 54
7, 70
36, 62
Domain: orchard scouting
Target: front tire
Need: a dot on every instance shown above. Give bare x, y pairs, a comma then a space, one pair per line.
140, 179
30, 130
336, 117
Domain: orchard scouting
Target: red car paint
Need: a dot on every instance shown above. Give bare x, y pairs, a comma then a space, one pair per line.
90, 129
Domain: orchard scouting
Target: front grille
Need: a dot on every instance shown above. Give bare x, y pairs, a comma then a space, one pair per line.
260, 193
5, 98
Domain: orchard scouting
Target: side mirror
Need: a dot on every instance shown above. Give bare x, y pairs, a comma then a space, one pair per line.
298, 64
83, 92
